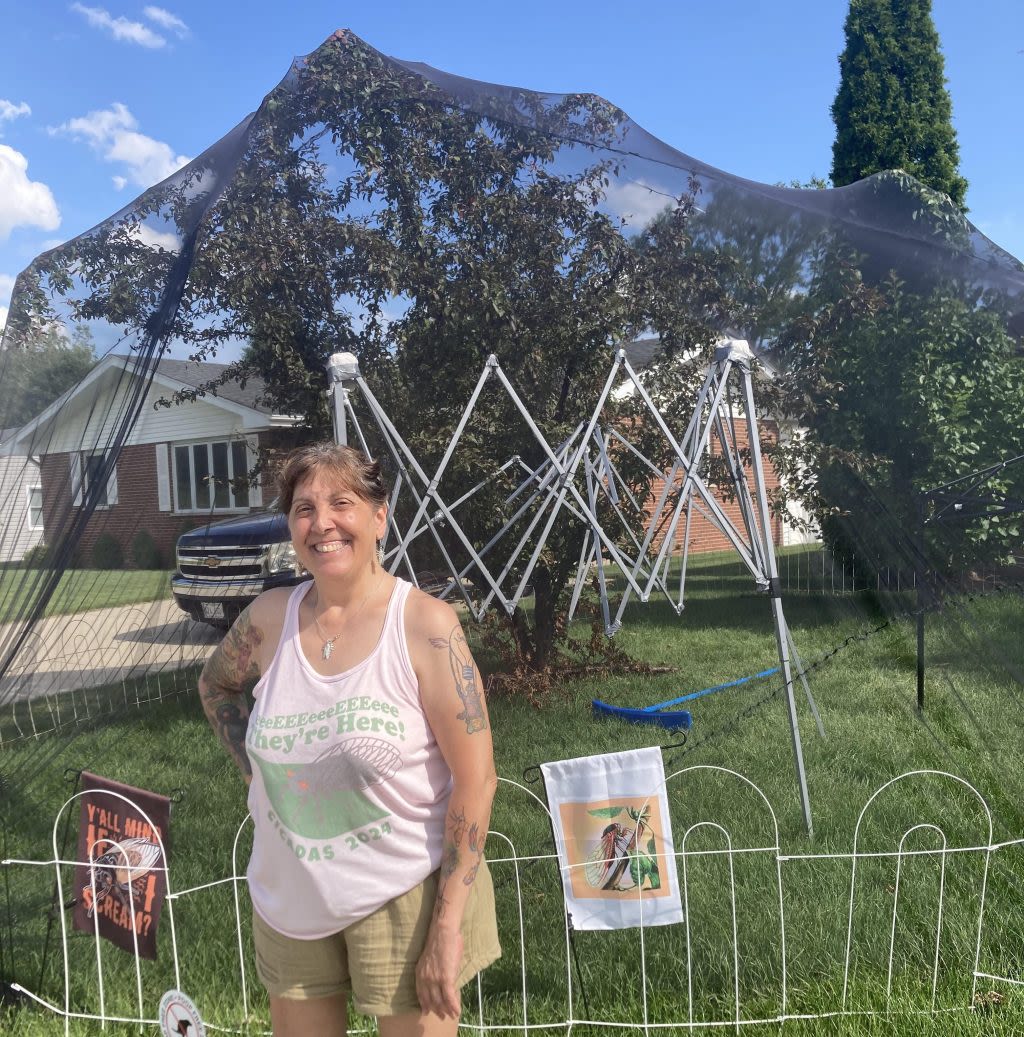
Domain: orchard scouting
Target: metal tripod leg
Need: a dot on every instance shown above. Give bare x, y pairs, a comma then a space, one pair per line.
794, 721
768, 555
801, 672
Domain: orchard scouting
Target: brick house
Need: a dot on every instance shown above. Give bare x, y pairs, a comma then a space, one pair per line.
704, 535
180, 466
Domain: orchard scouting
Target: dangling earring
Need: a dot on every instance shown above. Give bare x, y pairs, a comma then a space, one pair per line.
380, 553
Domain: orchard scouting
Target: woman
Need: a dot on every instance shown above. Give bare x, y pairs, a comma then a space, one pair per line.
369, 761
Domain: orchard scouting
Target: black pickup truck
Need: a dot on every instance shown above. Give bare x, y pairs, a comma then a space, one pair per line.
223, 566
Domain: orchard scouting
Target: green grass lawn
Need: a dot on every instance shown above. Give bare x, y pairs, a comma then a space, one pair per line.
866, 694
80, 589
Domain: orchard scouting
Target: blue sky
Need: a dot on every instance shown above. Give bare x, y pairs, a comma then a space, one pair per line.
99, 99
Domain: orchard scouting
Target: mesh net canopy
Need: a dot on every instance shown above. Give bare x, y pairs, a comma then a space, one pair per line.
154, 366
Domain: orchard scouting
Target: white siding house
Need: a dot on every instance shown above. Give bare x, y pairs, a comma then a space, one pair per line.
21, 501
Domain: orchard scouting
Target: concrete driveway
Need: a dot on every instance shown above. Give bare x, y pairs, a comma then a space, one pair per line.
103, 646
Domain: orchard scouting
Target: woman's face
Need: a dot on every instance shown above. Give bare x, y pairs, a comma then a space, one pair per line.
333, 529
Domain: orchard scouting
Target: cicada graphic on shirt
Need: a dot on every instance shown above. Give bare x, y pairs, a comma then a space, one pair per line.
356, 763
121, 872
624, 857
324, 798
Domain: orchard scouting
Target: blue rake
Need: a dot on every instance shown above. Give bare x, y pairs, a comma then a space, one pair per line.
660, 715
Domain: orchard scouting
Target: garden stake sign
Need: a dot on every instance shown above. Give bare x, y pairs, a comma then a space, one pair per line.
613, 835
121, 869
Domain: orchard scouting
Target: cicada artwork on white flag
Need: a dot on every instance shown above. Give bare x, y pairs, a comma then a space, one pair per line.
613, 835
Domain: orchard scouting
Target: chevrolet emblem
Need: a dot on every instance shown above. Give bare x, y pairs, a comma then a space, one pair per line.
212, 562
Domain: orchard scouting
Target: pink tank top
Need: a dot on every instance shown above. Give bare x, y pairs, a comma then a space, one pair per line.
349, 789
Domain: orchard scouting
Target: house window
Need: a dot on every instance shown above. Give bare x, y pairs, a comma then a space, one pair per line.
92, 466
35, 507
211, 476
86, 469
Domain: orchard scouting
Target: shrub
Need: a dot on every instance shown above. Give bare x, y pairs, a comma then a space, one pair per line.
107, 553
37, 557
145, 553
44, 556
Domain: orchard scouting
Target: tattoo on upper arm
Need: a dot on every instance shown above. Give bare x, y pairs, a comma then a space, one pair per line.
232, 671
467, 684
234, 667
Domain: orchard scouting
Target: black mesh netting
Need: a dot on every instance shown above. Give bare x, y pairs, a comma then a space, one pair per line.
154, 366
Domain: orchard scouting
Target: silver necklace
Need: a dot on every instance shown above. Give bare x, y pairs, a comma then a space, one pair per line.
328, 641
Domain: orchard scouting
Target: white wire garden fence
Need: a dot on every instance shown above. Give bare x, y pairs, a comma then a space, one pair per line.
906, 921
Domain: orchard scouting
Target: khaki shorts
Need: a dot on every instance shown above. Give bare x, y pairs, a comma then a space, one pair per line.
375, 958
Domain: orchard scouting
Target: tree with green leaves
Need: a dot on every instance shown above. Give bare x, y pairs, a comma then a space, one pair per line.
892, 109
35, 373
901, 389
372, 215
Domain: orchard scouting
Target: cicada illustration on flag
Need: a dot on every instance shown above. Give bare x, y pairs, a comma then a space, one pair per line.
613, 835
625, 856
121, 872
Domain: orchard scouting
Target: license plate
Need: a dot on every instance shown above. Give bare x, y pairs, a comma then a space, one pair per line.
213, 610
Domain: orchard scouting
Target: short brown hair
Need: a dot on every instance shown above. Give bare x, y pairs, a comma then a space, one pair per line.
351, 467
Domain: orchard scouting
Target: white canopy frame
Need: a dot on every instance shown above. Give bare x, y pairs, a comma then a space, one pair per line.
724, 401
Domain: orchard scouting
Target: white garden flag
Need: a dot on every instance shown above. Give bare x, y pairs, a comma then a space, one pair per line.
613, 835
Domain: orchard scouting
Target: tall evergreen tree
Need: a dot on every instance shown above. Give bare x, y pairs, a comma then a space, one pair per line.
892, 110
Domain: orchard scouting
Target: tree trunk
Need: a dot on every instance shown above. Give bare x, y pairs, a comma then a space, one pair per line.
544, 617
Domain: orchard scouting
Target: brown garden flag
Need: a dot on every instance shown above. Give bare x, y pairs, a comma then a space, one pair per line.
120, 874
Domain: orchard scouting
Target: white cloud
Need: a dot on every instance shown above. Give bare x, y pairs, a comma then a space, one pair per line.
166, 20
3, 317
636, 202
158, 239
120, 182
9, 110
23, 202
120, 28
113, 133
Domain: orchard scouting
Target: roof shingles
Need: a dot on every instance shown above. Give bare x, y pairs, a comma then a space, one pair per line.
192, 373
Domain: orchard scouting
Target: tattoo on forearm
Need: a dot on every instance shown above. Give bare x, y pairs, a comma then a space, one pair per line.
440, 904
457, 826
476, 845
449, 859
450, 856
467, 685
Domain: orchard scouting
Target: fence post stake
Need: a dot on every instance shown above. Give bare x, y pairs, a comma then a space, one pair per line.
919, 580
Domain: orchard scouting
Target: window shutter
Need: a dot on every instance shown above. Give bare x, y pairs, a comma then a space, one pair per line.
163, 479
75, 473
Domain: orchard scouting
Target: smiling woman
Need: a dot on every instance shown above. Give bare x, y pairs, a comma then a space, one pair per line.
369, 762
336, 505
